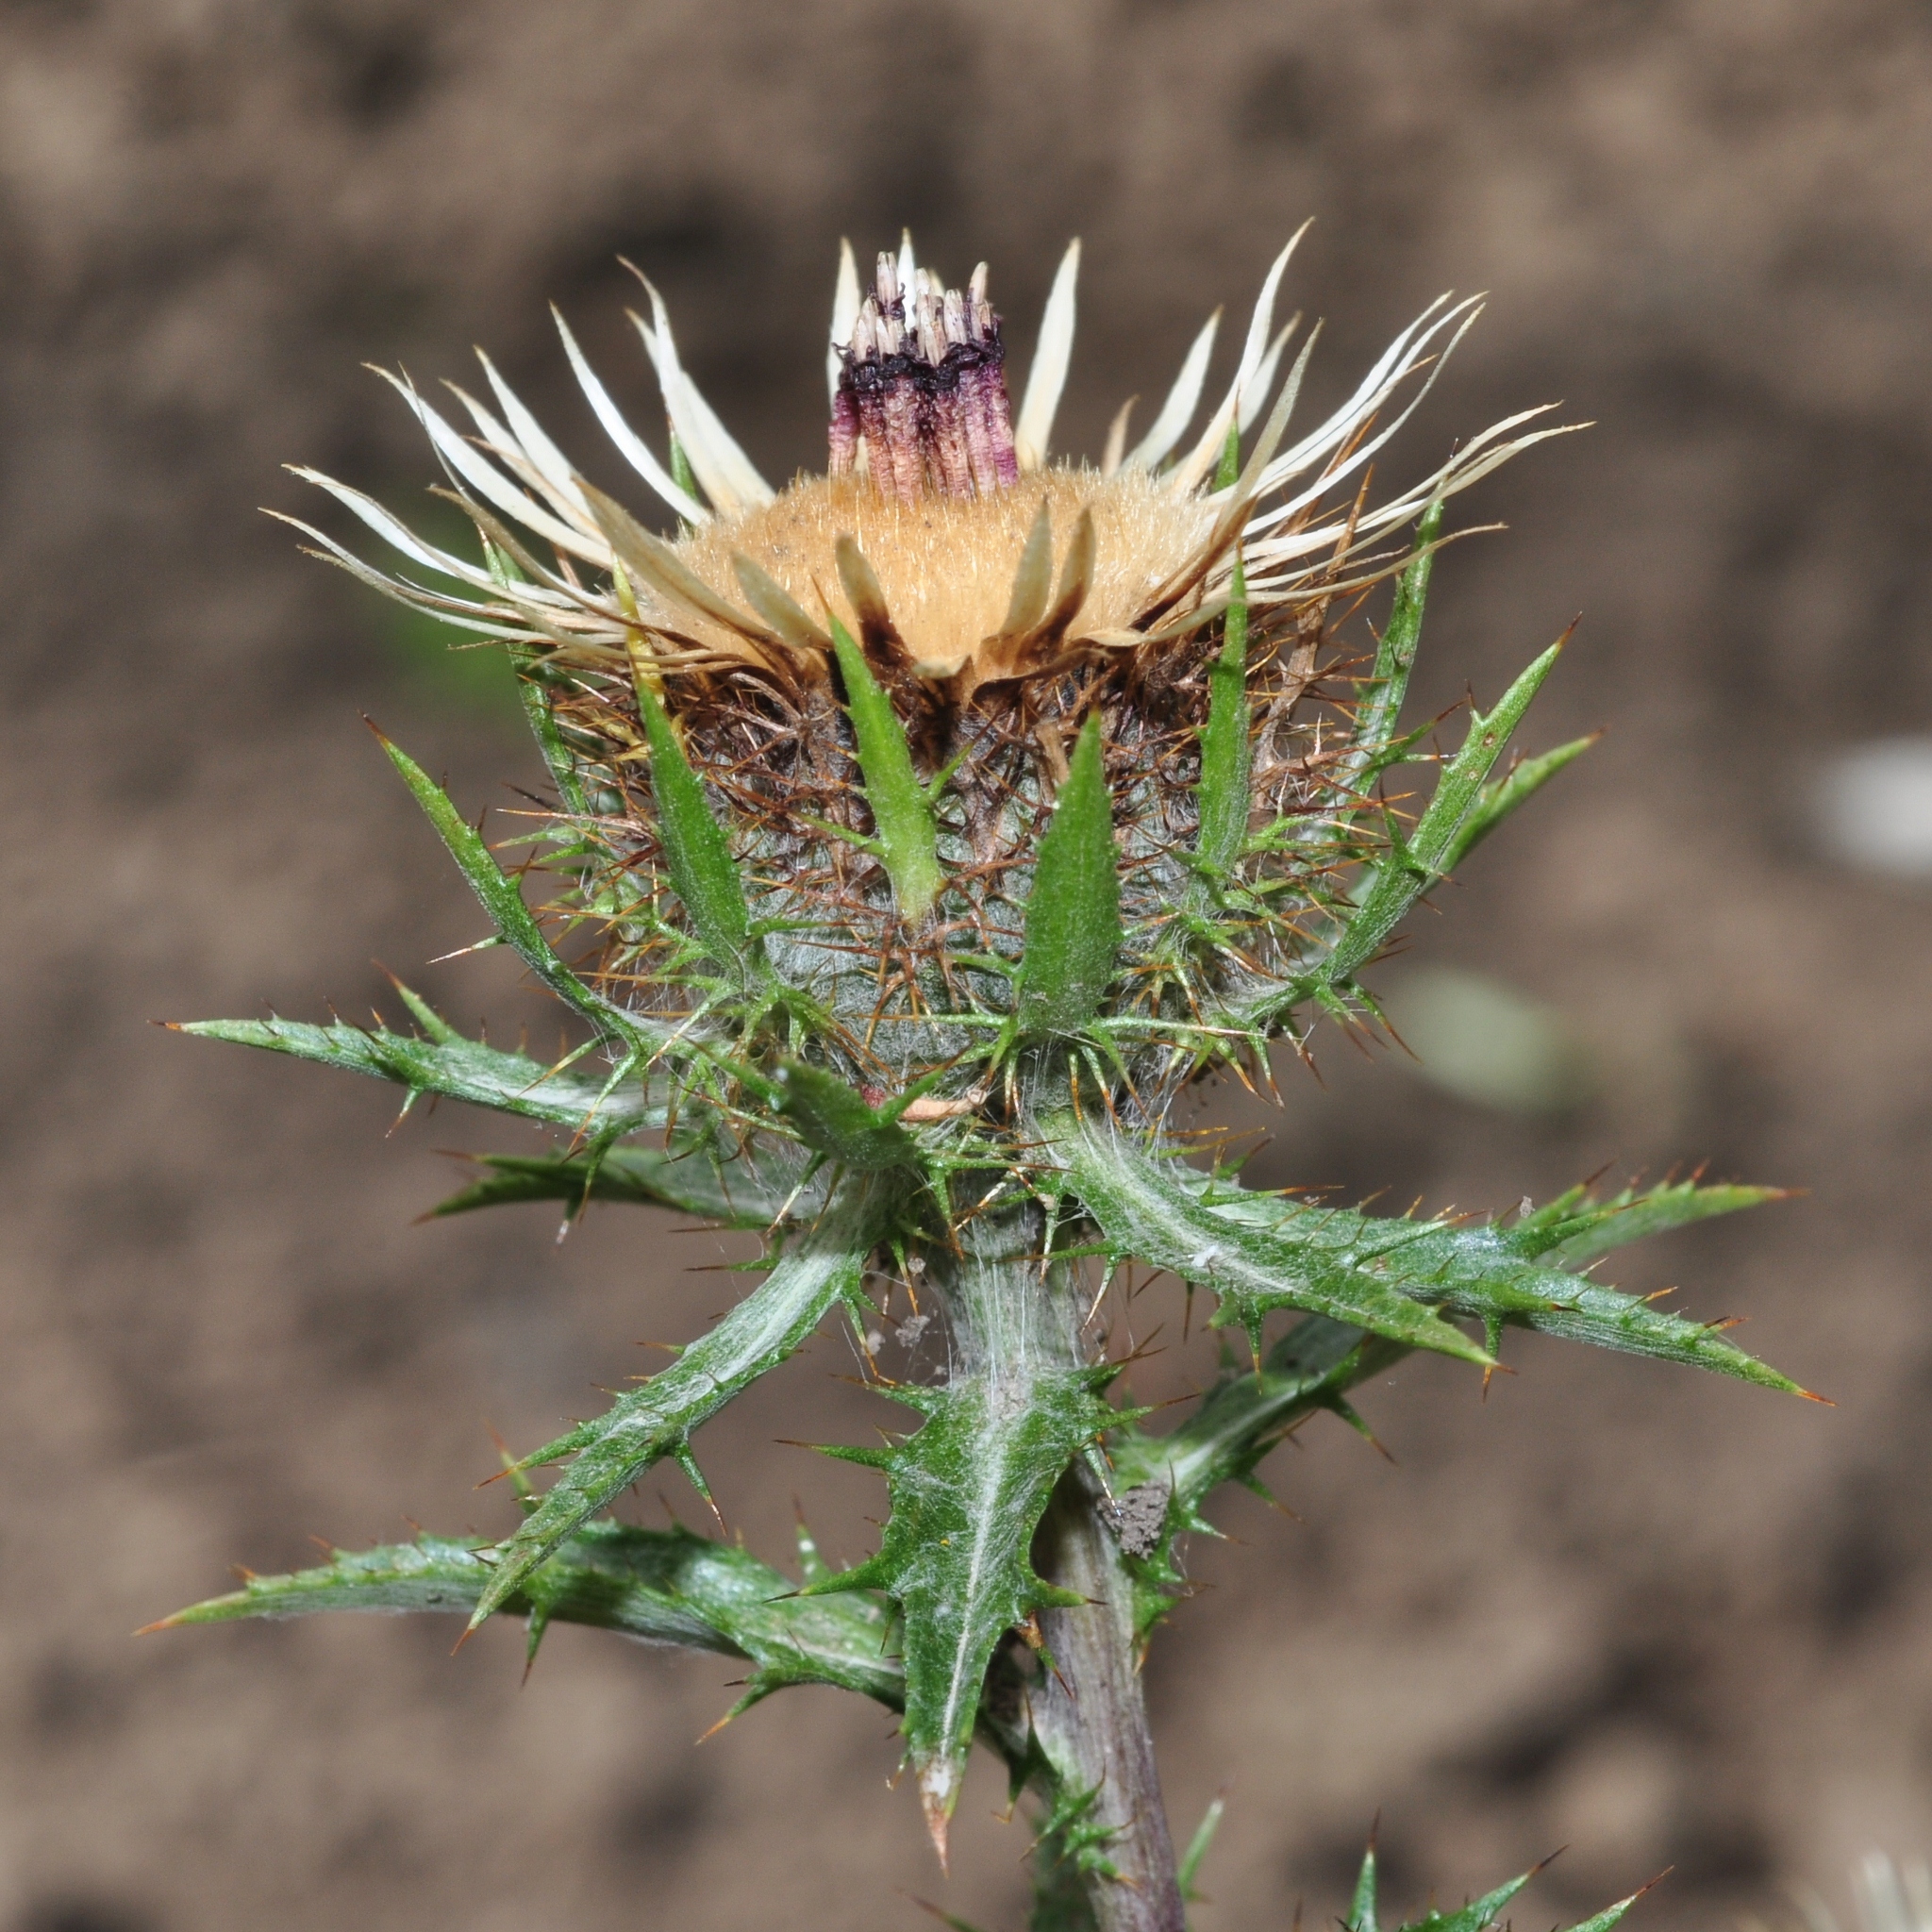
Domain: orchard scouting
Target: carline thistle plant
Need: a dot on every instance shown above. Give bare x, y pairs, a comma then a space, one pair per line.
921, 831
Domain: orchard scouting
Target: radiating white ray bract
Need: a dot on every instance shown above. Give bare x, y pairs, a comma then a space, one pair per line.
1183, 399
725, 473
495, 488
550, 462
636, 451
1254, 396
495, 439
1199, 463
1291, 514
1033, 426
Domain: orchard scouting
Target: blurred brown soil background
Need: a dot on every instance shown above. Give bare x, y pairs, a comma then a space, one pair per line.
1664, 1619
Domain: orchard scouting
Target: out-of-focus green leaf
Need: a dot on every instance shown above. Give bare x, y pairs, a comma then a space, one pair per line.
1198, 1848
1485, 1042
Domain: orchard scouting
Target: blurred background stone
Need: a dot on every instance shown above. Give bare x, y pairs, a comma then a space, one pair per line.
1873, 807
1670, 1620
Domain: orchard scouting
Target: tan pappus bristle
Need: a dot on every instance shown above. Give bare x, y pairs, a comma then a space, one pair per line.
946, 566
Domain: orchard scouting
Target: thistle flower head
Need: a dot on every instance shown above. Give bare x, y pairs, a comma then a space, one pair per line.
880, 679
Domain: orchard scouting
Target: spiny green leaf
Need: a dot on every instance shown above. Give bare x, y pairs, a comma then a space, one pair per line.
1072, 1846
664, 1587
1061, 1893
691, 1182
1413, 864
968, 1491
815, 1270
1223, 796
1361, 1911
900, 809
702, 872
1145, 1210
1074, 917
1583, 1229
503, 903
1500, 797
1474, 1917
1420, 861
455, 1069
841, 1124
1479, 1270
1247, 1412
1313, 1366
1381, 707
1610, 1916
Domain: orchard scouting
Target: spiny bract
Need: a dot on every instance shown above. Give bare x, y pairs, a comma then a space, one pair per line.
919, 829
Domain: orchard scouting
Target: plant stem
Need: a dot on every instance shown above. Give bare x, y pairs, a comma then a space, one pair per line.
1092, 1720
1013, 1323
